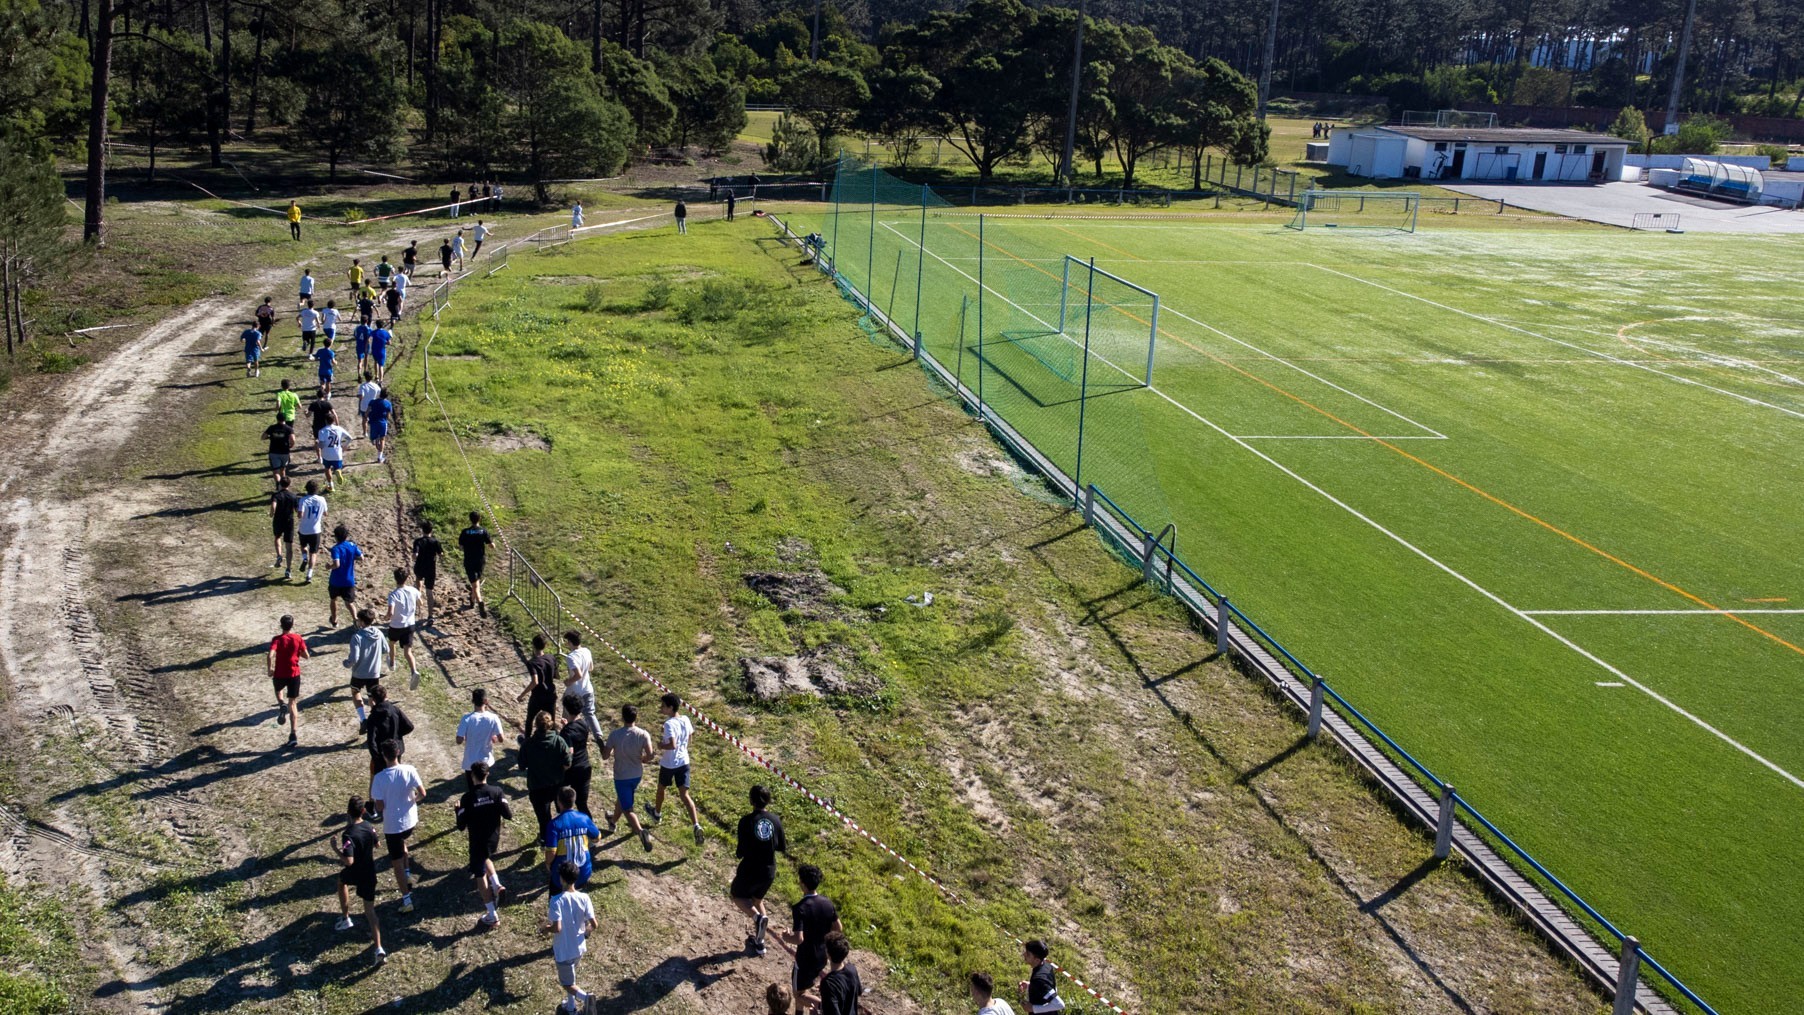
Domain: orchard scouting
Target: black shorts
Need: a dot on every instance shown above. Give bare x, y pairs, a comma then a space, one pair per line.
482, 851
364, 683
308, 336
752, 883
542, 701
473, 572
397, 844
401, 636
678, 777
310, 542
806, 972
428, 576
290, 686
348, 593
283, 530
364, 884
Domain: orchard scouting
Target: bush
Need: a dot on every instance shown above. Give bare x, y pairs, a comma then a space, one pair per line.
657, 295
595, 297
714, 300
1631, 126
1698, 135
1777, 152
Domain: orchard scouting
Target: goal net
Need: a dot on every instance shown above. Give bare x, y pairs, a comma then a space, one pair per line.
1447, 118
1667, 220
1357, 209
1053, 313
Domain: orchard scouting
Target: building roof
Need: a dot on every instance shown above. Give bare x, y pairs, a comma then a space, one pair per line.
1507, 135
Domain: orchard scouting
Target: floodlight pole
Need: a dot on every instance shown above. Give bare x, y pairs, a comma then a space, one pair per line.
1678, 70
1271, 49
1066, 164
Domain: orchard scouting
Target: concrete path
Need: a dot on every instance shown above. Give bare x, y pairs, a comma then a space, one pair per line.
1617, 204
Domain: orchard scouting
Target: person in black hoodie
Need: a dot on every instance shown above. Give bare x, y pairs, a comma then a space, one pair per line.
386, 721
545, 756
1041, 988
576, 734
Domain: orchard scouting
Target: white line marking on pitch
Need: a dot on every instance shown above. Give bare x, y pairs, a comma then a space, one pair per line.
1337, 437
1570, 345
1469, 583
1646, 613
1609, 683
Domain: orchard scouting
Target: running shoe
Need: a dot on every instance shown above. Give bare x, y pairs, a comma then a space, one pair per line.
758, 929
656, 818
698, 835
380, 957
293, 741
281, 715
755, 946
489, 920
344, 923
413, 682
645, 838
407, 903
278, 562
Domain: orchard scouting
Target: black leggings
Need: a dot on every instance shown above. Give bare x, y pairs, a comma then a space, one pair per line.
578, 779
543, 797
294, 229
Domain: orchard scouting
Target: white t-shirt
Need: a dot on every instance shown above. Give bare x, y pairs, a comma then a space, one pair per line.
580, 661
481, 232
457, 245
404, 601
479, 730
576, 217
313, 515
309, 319
306, 285
332, 438
394, 787
997, 1006
328, 318
367, 392
677, 730
400, 282
572, 912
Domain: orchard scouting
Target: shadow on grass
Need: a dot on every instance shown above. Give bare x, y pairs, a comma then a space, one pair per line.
651, 987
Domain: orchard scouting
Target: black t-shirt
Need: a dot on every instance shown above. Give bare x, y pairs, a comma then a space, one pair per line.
386, 722
814, 918
322, 412
760, 840
426, 552
280, 437
444, 252
1042, 985
408, 255
266, 314
482, 810
840, 991
284, 504
474, 541
682, 210
577, 734
360, 846
365, 304
541, 673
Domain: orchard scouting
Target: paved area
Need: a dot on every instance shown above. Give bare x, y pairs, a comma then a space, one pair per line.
1617, 204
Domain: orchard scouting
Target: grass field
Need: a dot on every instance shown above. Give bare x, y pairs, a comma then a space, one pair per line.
1526, 497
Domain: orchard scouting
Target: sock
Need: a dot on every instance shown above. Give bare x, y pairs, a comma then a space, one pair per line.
491, 908
495, 882
360, 716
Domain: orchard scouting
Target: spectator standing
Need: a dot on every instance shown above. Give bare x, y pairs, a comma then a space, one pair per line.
630, 748
403, 617
426, 552
1041, 988
673, 761
478, 732
356, 850
570, 918
286, 651
455, 194
363, 657
481, 811
398, 789
475, 542
815, 917
578, 735
760, 840
294, 220
682, 217
732, 203
544, 755
386, 724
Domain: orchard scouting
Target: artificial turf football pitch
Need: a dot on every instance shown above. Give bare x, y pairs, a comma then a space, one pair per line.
1529, 498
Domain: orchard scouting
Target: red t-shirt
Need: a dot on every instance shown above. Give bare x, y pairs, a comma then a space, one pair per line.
288, 649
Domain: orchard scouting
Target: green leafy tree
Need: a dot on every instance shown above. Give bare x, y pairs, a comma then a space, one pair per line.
793, 147
555, 113
899, 111
1218, 109
827, 97
635, 84
166, 70
1148, 111
1630, 124
31, 221
710, 107
355, 106
1542, 86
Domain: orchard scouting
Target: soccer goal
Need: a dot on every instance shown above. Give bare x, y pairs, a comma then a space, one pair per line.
1447, 118
1650, 220
1358, 209
1049, 320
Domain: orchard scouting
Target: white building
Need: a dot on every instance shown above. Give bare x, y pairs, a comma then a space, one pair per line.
1477, 153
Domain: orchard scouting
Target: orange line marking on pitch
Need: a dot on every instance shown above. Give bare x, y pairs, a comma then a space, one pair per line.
1437, 470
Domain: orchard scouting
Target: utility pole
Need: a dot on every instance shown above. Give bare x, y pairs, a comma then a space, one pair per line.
1067, 165
1678, 70
814, 39
1271, 50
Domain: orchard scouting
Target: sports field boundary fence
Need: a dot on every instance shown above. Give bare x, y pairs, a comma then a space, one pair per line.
545, 608
846, 251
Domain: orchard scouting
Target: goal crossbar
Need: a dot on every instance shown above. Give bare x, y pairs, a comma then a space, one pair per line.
1349, 209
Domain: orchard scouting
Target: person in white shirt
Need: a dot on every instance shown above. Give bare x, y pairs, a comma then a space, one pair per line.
308, 319
313, 523
403, 615
480, 233
478, 733
983, 993
367, 392
328, 320
673, 761
332, 440
457, 249
398, 789
306, 286
576, 216
570, 918
578, 661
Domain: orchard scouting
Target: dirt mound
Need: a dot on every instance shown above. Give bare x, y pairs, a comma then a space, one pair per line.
524, 440
816, 673
809, 593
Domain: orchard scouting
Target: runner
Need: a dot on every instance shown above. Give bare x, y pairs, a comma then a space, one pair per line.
361, 336
366, 305
332, 441
576, 216
445, 253
363, 658
355, 274
578, 663
380, 411
306, 298
570, 838
366, 393
760, 840
776, 999
480, 233
544, 755
398, 299
682, 217
287, 402
457, 249
308, 319
313, 522
320, 414
410, 257
398, 789
455, 194
326, 358
673, 762
983, 994
266, 320
386, 724
841, 988
403, 615
383, 271
479, 731
357, 851
481, 812
280, 436
328, 320
392, 299
283, 662
475, 542
631, 748
379, 339
541, 682
252, 338
497, 197
282, 509
1041, 988
294, 220
341, 581
570, 918
578, 735
815, 917
426, 552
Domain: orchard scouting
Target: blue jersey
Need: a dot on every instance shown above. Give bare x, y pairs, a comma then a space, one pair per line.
379, 340
345, 556
379, 411
252, 339
362, 337
325, 357
569, 834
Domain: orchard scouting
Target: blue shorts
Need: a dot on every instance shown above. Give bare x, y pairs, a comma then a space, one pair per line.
252, 353
331, 333
325, 377
381, 356
335, 465
378, 431
363, 347
624, 791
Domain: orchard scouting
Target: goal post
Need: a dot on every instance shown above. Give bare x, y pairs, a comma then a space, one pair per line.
1396, 210
1651, 220
1447, 118
1053, 316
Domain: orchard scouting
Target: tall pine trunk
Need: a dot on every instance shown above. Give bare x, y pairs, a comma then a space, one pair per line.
93, 227
250, 110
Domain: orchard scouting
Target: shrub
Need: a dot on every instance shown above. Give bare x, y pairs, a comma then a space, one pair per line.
1698, 135
594, 297
1777, 152
657, 295
793, 148
713, 300
1631, 126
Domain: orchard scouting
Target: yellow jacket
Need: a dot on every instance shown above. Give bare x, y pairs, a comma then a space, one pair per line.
294, 212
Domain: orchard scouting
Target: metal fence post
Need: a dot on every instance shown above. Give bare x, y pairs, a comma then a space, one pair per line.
1224, 630
1090, 505
1083, 384
870, 264
920, 268
1315, 708
1148, 544
980, 260
1443, 829
1627, 976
